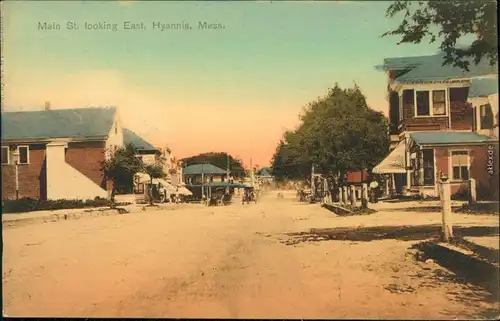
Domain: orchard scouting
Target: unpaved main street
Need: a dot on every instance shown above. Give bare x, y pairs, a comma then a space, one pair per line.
238, 261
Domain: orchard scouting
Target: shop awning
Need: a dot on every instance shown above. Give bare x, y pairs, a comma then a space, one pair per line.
183, 191
394, 163
144, 178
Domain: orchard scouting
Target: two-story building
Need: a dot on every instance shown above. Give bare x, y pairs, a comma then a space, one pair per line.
445, 121
57, 154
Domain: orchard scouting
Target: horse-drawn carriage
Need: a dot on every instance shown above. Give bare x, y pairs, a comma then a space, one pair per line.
249, 195
304, 195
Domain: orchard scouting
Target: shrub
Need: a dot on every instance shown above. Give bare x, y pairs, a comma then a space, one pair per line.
31, 204
462, 194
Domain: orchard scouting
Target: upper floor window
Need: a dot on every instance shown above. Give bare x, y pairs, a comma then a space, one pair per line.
5, 155
24, 154
430, 103
486, 116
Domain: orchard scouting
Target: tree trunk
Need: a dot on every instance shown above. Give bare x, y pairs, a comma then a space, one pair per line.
150, 191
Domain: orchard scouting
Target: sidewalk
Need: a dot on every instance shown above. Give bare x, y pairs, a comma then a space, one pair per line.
11, 219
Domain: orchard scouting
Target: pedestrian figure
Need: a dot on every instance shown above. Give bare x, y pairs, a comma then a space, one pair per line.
373, 191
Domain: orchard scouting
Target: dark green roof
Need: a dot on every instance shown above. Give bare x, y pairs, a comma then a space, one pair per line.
218, 184
129, 137
57, 123
197, 169
483, 87
430, 69
449, 138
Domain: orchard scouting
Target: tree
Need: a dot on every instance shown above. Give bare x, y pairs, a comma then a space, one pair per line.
121, 166
218, 159
450, 20
154, 171
337, 133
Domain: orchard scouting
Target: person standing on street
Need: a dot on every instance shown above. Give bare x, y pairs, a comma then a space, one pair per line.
373, 191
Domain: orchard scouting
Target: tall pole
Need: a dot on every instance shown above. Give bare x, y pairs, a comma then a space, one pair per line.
312, 181
17, 180
251, 172
16, 162
202, 183
227, 173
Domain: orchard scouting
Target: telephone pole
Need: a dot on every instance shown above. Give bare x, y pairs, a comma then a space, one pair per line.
312, 181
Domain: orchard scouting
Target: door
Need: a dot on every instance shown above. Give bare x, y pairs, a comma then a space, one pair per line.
428, 166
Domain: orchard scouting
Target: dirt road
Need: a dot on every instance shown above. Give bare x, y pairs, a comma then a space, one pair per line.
239, 261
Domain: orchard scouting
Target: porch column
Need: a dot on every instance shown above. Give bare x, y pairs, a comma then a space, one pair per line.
472, 191
408, 164
393, 181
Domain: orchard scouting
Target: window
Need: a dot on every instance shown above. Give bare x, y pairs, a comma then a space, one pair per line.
430, 103
139, 188
486, 116
460, 165
439, 102
423, 103
24, 154
5, 155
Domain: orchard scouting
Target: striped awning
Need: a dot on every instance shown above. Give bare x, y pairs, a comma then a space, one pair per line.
394, 163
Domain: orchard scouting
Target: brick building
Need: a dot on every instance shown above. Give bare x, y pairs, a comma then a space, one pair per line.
60, 152
445, 122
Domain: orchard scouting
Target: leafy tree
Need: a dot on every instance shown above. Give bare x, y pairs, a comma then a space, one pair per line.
154, 171
450, 20
121, 166
338, 133
218, 159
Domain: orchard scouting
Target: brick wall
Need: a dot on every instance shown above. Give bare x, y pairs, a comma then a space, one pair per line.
86, 157
31, 176
478, 157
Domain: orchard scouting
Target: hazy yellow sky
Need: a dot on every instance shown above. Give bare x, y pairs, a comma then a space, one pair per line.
234, 89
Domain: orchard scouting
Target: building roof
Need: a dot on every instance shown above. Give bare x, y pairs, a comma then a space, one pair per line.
129, 137
423, 69
218, 184
197, 169
483, 87
449, 138
266, 171
58, 123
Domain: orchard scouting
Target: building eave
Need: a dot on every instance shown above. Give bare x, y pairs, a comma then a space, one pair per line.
58, 139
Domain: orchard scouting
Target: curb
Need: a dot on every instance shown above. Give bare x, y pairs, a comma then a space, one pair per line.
464, 263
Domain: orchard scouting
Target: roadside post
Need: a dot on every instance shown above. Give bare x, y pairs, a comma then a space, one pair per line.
353, 195
472, 191
446, 208
339, 196
364, 195
344, 194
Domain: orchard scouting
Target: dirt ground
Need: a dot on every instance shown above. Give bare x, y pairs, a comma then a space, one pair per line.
274, 259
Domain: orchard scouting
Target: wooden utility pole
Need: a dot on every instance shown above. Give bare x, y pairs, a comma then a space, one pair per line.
251, 173
312, 181
202, 183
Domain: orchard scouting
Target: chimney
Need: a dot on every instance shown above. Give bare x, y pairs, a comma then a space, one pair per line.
47, 105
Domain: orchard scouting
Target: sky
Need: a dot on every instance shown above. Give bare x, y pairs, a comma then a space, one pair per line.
235, 88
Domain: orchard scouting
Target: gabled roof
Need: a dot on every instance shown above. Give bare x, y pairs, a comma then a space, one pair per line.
58, 123
449, 138
197, 169
422, 69
129, 137
483, 87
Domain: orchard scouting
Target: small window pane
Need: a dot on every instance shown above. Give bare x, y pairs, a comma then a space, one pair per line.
456, 172
423, 103
23, 155
464, 172
5, 155
486, 116
439, 96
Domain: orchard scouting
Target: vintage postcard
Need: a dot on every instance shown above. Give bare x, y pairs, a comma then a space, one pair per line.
250, 159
